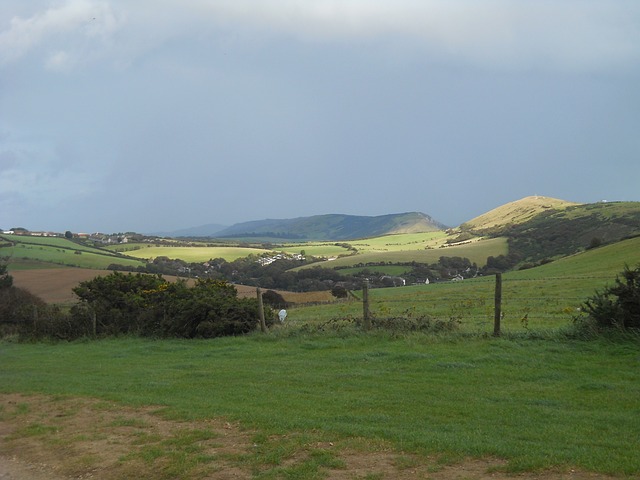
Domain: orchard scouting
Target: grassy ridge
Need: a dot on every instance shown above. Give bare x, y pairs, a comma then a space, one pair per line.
27, 251
516, 212
537, 404
541, 298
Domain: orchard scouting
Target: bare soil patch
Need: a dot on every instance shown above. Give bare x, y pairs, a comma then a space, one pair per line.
58, 438
55, 285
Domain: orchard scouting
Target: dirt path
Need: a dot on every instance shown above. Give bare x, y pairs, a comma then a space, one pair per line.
60, 438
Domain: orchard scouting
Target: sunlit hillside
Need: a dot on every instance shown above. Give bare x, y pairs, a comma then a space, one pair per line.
516, 212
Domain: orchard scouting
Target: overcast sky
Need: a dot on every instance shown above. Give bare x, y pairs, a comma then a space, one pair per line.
156, 115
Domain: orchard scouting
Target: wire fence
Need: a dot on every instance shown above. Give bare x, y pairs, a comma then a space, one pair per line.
525, 303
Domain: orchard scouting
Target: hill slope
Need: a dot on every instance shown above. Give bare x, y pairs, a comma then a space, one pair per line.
514, 213
556, 233
208, 230
334, 227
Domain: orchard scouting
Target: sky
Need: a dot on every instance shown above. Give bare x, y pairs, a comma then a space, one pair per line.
159, 115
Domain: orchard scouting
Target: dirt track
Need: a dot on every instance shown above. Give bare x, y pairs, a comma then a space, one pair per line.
60, 438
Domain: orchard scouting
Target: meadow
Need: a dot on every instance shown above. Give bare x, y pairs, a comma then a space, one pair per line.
188, 254
25, 252
540, 398
422, 252
544, 298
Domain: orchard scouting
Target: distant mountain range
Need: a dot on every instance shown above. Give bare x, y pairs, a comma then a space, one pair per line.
536, 226
207, 230
319, 227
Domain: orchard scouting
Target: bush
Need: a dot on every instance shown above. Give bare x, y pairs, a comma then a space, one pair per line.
148, 305
619, 305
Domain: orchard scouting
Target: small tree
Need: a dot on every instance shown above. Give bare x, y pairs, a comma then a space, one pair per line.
6, 280
618, 305
339, 291
274, 299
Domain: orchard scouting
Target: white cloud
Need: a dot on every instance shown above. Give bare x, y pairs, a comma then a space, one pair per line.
572, 34
89, 19
525, 33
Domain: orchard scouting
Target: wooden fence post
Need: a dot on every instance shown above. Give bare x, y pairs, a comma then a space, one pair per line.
263, 324
35, 319
497, 314
365, 305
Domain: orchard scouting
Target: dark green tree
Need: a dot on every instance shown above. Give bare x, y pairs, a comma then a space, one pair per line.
274, 299
339, 291
6, 280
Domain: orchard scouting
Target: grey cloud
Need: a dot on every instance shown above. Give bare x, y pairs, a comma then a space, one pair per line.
166, 114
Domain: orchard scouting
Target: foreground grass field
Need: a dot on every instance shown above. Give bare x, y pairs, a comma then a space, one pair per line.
536, 404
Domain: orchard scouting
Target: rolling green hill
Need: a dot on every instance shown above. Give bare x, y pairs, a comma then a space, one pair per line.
334, 227
24, 251
526, 232
549, 295
558, 233
541, 228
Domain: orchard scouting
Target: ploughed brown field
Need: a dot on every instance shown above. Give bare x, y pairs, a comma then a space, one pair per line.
55, 285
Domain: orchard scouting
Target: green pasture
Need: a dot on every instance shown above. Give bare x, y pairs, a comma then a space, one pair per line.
190, 254
399, 242
57, 242
538, 404
477, 252
377, 245
314, 249
542, 298
27, 250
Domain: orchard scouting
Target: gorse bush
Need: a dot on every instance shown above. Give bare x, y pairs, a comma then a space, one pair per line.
149, 305
618, 305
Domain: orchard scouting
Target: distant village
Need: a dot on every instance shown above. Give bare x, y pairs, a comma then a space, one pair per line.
104, 238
